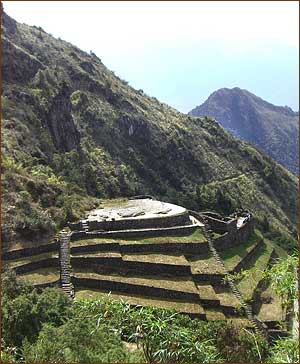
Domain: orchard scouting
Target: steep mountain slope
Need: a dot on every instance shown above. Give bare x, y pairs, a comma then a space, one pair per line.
273, 129
73, 131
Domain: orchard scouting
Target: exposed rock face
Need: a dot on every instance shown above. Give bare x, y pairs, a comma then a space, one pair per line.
18, 65
60, 122
271, 128
136, 128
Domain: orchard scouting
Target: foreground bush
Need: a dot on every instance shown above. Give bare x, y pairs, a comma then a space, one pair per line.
77, 341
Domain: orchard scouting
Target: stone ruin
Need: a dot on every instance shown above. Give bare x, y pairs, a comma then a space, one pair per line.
154, 253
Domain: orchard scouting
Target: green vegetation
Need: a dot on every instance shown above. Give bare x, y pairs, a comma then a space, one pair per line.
24, 310
285, 351
283, 278
136, 300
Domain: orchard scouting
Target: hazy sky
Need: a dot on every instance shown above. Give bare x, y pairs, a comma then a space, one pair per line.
180, 52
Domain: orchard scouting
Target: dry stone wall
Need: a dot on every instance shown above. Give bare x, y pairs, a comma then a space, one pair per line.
215, 222
142, 233
242, 264
234, 237
183, 248
119, 265
130, 224
27, 252
44, 263
138, 289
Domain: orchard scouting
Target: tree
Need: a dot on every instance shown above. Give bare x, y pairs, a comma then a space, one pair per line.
24, 310
77, 341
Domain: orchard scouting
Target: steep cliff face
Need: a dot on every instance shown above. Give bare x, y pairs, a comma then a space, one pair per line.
60, 121
273, 129
19, 65
73, 131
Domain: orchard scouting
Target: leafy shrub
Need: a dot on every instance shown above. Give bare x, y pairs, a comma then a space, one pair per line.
240, 345
285, 350
24, 310
282, 276
76, 341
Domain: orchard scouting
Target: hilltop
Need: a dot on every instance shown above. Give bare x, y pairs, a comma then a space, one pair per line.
273, 129
73, 132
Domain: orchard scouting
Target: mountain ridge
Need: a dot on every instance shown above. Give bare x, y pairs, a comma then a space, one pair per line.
273, 129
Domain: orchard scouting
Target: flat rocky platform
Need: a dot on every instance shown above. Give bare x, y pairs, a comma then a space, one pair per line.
136, 209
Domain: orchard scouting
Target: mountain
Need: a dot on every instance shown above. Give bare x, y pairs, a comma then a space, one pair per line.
273, 129
73, 133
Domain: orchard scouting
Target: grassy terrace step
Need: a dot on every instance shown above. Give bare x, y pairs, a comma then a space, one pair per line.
208, 295
271, 313
19, 245
42, 275
228, 302
254, 274
214, 315
204, 264
35, 258
192, 308
196, 236
139, 263
161, 286
97, 254
168, 259
185, 284
233, 257
227, 299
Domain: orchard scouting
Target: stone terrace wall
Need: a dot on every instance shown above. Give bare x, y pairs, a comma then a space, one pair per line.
180, 230
234, 237
221, 226
41, 286
27, 252
248, 257
133, 288
211, 278
44, 263
184, 248
216, 224
119, 265
128, 224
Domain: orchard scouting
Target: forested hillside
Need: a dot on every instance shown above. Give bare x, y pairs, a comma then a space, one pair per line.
73, 132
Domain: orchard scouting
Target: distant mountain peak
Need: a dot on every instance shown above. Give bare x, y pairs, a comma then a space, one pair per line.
273, 129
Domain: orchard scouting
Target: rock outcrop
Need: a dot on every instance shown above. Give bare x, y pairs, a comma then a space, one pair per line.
60, 121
